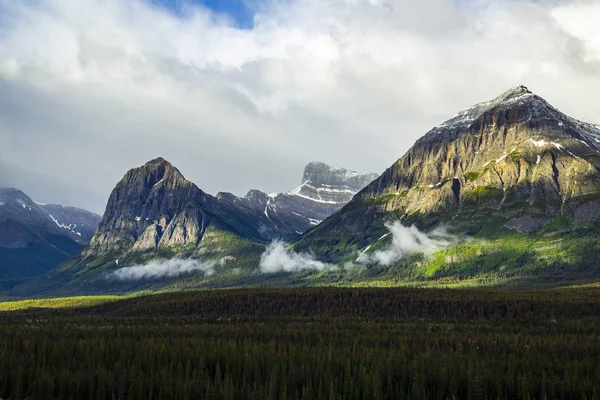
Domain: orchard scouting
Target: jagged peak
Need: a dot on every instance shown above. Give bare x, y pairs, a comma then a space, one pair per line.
533, 108
508, 97
226, 196
158, 166
256, 193
516, 96
154, 174
320, 173
515, 92
159, 161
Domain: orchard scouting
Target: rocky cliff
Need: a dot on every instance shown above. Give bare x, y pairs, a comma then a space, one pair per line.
151, 206
515, 158
154, 206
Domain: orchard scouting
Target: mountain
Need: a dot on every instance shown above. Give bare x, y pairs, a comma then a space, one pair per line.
154, 206
506, 193
513, 172
323, 191
35, 238
82, 223
155, 213
167, 233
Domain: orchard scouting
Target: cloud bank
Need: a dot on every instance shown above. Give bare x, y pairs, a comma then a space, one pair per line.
90, 88
407, 241
279, 258
158, 269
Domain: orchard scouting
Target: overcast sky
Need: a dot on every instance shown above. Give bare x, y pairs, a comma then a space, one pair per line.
243, 95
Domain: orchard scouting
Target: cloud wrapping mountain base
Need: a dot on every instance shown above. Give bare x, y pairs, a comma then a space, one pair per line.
407, 241
164, 269
279, 258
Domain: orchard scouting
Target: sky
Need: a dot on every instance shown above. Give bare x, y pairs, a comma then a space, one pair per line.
241, 95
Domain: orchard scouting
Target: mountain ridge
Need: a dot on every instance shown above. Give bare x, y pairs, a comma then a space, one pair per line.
154, 206
514, 182
324, 190
33, 240
513, 167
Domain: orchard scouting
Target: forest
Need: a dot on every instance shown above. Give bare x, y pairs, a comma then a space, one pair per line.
308, 343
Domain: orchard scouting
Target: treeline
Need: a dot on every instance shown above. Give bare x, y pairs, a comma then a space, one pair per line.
361, 302
309, 344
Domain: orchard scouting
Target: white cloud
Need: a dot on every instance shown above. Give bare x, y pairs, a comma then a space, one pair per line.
407, 241
279, 258
90, 88
158, 269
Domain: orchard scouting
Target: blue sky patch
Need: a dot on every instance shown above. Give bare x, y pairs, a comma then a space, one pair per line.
240, 11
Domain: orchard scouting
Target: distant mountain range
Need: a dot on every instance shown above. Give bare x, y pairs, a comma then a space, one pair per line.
323, 191
36, 237
154, 206
507, 192
155, 212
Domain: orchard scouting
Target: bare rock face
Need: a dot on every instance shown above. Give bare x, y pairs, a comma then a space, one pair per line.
515, 156
325, 183
324, 190
154, 206
515, 148
151, 206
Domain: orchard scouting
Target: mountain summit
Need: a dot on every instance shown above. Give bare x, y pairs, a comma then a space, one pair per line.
514, 160
154, 206
323, 191
154, 212
514, 182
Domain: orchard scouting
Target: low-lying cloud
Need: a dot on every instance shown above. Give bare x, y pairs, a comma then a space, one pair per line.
279, 258
157, 269
407, 241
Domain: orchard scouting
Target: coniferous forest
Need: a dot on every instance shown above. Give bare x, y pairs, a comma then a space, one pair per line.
318, 343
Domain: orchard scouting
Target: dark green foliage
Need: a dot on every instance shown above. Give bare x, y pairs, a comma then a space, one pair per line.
309, 344
483, 194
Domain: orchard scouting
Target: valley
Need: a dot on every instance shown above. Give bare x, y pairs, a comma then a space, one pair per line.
311, 343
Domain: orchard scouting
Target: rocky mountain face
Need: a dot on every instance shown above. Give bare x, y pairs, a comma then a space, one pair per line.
323, 191
154, 206
35, 238
154, 212
515, 182
515, 159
